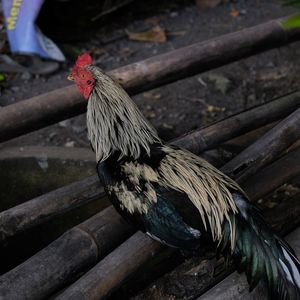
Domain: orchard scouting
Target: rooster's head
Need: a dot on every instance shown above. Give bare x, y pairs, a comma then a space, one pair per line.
82, 76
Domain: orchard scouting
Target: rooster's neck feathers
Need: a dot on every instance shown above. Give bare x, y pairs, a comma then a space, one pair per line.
114, 122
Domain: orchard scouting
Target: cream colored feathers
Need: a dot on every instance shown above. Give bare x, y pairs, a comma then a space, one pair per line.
114, 122
206, 187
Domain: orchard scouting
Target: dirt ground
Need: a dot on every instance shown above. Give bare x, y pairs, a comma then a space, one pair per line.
184, 105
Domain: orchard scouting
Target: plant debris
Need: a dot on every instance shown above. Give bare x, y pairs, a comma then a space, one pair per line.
222, 83
154, 21
176, 33
151, 114
234, 12
288, 190
151, 95
96, 52
274, 74
204, 4
155, 34
2, 77
214, 109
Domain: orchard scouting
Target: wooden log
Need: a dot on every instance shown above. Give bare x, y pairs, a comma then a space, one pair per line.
87, 286
204, 56
212, 135
283, 223
40, 209
47, 206
100, 281
235, 286
238, 144
252, 185
106, 230
60, 252
278, 138
228, 150
47, 109
28, 267
72, 253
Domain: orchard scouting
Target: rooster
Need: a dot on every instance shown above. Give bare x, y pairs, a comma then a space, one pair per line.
173, 195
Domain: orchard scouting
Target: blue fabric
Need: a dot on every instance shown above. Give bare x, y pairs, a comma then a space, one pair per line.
23, 34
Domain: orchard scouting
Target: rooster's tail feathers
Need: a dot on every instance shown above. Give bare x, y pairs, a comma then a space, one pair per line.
262, 255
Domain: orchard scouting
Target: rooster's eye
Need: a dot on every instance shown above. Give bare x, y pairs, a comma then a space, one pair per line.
82, 75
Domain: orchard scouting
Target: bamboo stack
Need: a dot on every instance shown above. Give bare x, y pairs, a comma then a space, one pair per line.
104, 250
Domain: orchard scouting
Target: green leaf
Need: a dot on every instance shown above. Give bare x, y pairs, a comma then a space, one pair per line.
2, 77
292, 22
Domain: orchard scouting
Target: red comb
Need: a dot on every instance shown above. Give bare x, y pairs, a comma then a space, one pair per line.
84, 60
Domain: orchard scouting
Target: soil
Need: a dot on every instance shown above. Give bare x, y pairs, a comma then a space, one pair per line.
184, 105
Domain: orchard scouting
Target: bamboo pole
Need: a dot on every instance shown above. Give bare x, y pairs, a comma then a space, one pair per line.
71, 254
98, 284
113, 269
40, 209
252, 185
255, 117
25, 271
245, 164
31, 281
238, 144
47, 109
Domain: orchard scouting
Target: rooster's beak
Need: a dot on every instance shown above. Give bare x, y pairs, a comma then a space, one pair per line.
71, 77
